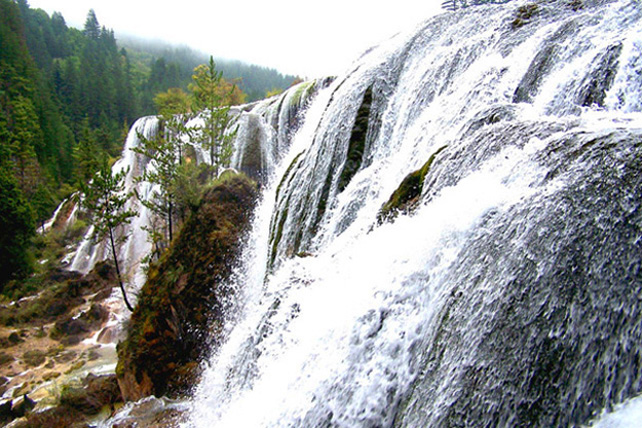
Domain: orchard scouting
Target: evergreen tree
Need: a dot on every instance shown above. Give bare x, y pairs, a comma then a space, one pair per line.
17, 224
106, 199
86, 155
163, 152
92, 28
166, 151
24, 140
65, 94
212, 96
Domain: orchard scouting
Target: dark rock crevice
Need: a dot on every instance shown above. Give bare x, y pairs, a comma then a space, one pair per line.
356, 145
599, 81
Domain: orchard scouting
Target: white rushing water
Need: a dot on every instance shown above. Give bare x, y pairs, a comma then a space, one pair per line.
136, 246
252, 155
628, 414
456, 313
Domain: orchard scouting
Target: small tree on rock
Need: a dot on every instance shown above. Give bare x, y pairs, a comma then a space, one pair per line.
106, 198
165, 150
212, 96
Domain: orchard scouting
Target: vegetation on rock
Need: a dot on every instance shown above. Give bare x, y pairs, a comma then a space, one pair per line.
77, 404
524, 15
357, 143
175, 171
62, 291
407, 194
179, 308
212, 96
41, 338
67, 96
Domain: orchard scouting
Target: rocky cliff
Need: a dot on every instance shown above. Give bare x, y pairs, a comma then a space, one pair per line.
179, 308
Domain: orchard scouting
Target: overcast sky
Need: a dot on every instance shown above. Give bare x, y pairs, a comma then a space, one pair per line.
296, 37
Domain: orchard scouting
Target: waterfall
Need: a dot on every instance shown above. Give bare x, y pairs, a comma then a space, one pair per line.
136, 246
506, 291
264, 133
265, 129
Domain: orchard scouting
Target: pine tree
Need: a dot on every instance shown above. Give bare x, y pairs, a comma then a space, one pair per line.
86, 154
212, 96
17, 224
163, 153
92, 28
105, 197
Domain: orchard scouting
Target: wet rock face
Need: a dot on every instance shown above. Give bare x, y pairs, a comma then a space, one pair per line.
78, 404
537, 71
253, 162
13, 409
181, 303
357, 142
405, 198
150, 412
565, 302
97, 391
599, 81
71, 330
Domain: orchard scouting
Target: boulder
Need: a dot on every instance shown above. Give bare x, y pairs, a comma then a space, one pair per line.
5, 410
96, 392
71, 330
22, 406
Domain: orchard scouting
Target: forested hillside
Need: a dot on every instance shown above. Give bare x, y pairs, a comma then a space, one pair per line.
157, 66
67, 96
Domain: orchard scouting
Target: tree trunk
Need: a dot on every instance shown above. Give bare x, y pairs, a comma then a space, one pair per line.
169, 221
120, 281
213, 157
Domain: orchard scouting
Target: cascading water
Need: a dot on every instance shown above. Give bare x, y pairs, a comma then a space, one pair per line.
265, 129
137, 246
509, 290
273, 119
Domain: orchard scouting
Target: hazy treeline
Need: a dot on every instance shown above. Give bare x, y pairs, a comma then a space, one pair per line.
159, 65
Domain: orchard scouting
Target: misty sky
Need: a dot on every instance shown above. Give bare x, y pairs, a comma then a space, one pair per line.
305, 38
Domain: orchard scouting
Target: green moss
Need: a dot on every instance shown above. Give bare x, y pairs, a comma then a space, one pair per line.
524, 14
34, 358
5, 358
276, 229
304, 89
357, 142
61, 291
278, 233
287, 174
408, 192
76, 231
180, 304
321, 206
576, 5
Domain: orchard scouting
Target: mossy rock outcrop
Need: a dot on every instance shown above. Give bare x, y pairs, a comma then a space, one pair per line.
404, 199
78, 404
179, 309
357, 143
63, 291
